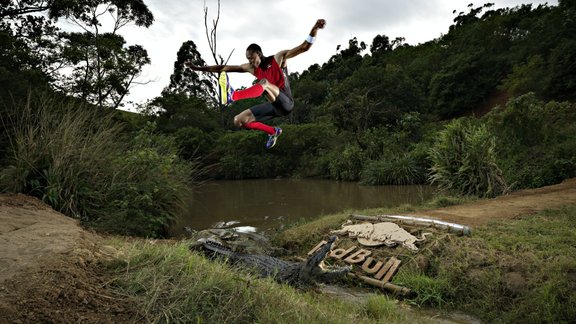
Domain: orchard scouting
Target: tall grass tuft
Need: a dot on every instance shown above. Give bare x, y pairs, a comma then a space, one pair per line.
384, 308
399, 170
77, 159
58, 149
464, 161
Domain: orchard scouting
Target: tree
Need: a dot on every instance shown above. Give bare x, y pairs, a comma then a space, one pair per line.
188, 82
380, 44
103, 67
211, 36
177, 110
373, 96
13, 8
94, 65
353, 49
29, 42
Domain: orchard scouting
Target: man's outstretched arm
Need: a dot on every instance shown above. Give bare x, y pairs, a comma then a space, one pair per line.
219, 68
282, 56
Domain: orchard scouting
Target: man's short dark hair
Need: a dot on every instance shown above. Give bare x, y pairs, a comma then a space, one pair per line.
255, 48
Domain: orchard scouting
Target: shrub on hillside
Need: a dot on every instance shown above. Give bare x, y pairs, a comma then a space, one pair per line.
536, 141
194, 143
346, 164
464, 161
242, 155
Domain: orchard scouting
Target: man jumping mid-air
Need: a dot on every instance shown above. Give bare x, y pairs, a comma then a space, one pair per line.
272, 82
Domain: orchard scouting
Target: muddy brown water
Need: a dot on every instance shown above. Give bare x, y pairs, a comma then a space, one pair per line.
264, 205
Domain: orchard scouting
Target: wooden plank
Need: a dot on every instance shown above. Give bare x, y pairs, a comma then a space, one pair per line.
385, 268
392, 271
366, 266
319, 245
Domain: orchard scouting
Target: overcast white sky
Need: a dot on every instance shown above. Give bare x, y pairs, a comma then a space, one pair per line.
283, 24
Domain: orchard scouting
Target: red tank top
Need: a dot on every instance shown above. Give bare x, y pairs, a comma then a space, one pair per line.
271, 72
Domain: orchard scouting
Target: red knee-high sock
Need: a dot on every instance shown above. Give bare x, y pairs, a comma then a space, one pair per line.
261, 127
254, 91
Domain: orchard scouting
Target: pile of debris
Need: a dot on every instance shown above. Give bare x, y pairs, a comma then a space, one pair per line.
250, 249
383, 230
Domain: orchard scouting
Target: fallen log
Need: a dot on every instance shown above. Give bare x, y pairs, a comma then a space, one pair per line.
395, 289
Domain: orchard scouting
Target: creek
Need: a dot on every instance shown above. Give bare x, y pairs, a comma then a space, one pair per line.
268, 205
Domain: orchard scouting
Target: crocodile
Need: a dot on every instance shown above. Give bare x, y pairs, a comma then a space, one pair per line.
300, 274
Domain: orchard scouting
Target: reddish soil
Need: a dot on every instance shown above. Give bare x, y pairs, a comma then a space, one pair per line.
50, 264
515, 204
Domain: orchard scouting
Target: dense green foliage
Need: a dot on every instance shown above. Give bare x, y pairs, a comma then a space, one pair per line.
535, 140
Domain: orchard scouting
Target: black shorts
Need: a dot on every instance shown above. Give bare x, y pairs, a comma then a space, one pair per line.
281, 107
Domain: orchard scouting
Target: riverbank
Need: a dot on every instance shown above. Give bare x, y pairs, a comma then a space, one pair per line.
58, 271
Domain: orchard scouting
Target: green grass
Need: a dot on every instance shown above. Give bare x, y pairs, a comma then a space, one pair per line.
541, 249
512, 270
384, 308
174, 285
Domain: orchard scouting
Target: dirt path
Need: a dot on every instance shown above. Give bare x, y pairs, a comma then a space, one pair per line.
46, 258
515, 204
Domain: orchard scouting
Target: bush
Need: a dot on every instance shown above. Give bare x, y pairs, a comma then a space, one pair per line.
536, 141
346, 164
75, 158
193, 142
57, 150
464, 161
242, 154
150, 184
398, 170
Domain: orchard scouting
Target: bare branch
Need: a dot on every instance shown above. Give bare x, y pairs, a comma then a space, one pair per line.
230, 55
210, 33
